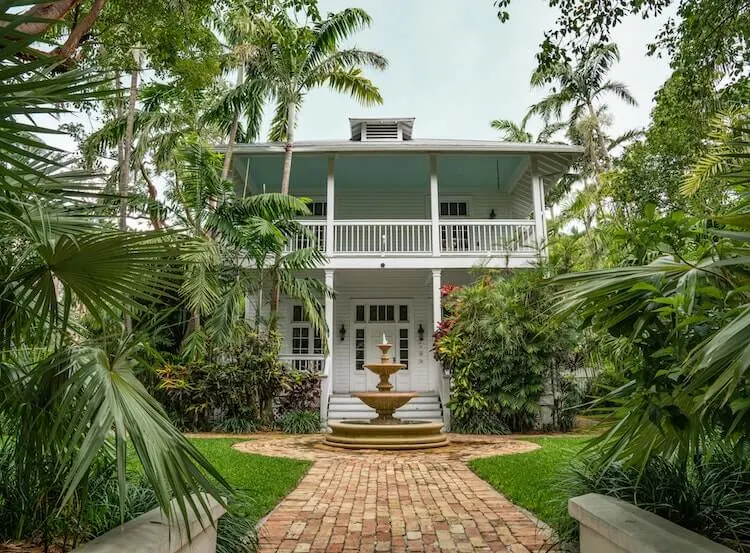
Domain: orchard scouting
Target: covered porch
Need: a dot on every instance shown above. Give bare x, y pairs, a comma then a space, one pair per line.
402, 304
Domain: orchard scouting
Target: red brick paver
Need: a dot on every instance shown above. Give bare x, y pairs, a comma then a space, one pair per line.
426, 501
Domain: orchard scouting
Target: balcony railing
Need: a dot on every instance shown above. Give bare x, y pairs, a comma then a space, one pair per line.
376, 237
414, 238
477, 237
309, 363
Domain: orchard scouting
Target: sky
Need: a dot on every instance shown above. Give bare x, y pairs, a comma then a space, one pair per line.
455, 67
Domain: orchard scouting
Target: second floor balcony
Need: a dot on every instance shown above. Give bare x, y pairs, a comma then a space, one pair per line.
413, 238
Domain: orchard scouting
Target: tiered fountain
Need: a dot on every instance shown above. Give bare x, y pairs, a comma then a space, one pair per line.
385, 431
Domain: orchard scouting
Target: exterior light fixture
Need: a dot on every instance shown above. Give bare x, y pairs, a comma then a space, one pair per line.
420, 331
342, 332
492, 214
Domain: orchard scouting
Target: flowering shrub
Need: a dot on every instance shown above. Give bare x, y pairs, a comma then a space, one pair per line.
500, 347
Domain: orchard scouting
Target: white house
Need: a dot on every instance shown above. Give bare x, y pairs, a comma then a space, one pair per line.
397, 217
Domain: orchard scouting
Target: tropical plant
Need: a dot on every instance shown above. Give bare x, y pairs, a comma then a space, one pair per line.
64, 399
300, 421
500, 348
297, 59
709, 495
581, 87
513, 132
240, 248
686, 314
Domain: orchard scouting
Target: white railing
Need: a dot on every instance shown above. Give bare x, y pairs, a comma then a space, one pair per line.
395, 237
477, 237
317, 238
309, 363
414, 238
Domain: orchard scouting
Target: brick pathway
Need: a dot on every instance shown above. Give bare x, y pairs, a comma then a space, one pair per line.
407, 501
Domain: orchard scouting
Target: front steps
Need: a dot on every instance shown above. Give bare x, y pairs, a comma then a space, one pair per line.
426, 408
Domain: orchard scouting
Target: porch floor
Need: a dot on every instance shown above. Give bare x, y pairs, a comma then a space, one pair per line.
425, 501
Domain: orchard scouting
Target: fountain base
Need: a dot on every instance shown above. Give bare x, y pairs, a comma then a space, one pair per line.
356, 434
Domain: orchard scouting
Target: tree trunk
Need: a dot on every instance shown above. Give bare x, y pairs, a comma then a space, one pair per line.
599, 139
49, 12
125, 167
80, 30
286, 173
155, 222
233, 129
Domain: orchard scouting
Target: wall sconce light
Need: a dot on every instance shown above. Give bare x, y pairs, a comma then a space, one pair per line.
420, 331
492, 214
342, 332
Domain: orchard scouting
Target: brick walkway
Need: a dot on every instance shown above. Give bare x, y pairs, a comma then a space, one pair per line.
376, 501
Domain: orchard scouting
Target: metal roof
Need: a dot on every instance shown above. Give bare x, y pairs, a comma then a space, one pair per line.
410, 146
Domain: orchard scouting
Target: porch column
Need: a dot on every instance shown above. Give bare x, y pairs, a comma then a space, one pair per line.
437, 312
434, 207
537, 190
330, 207
325, 382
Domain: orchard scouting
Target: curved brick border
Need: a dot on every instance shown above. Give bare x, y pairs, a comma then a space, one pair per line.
425, 501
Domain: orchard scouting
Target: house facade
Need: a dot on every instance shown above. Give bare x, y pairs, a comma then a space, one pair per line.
398, 217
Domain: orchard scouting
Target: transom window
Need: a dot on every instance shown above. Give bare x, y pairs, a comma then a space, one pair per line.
381, 313
454, 209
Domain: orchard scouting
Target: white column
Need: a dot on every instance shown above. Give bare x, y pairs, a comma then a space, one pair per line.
434, 207
437, 312
330, 237
537, 190
325, 382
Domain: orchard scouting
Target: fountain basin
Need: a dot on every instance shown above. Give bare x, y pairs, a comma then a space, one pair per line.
356, 434
385, 403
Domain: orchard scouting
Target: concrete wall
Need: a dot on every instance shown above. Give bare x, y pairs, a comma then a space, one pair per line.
152, 533
609, 525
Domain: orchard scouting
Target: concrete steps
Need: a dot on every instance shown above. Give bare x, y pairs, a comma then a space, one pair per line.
426, 407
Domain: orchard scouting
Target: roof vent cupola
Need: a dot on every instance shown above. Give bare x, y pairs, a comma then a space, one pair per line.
381, 130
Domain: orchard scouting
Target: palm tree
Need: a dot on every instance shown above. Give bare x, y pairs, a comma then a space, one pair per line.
231, 240
71, 399
296, 59
581, 88
513, 132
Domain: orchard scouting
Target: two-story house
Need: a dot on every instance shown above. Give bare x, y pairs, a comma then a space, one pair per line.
397, 217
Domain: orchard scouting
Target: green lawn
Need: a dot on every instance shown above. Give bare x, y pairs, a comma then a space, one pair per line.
528, 479
261, 482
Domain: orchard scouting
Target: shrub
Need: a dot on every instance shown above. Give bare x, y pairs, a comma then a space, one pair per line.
303, 392
236, 534
709, 495
500, 346
242, 424
235, 390
300, 422
479, 422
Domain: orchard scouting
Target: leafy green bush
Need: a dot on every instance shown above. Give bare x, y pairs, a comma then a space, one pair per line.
709, 495
236, 534
300, 422
480, 422
500, 347
241, 424
30, 501
303, 392
233, 389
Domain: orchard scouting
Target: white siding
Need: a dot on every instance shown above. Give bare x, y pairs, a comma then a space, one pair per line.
413, 202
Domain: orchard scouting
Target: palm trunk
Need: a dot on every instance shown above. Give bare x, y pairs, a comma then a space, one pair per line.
125, 167
286, 173
599, 140
233, 129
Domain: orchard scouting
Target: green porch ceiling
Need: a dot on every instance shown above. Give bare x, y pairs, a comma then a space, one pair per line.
309, 172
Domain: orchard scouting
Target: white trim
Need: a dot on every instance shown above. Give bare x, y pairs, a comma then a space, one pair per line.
426, 146
456, 261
